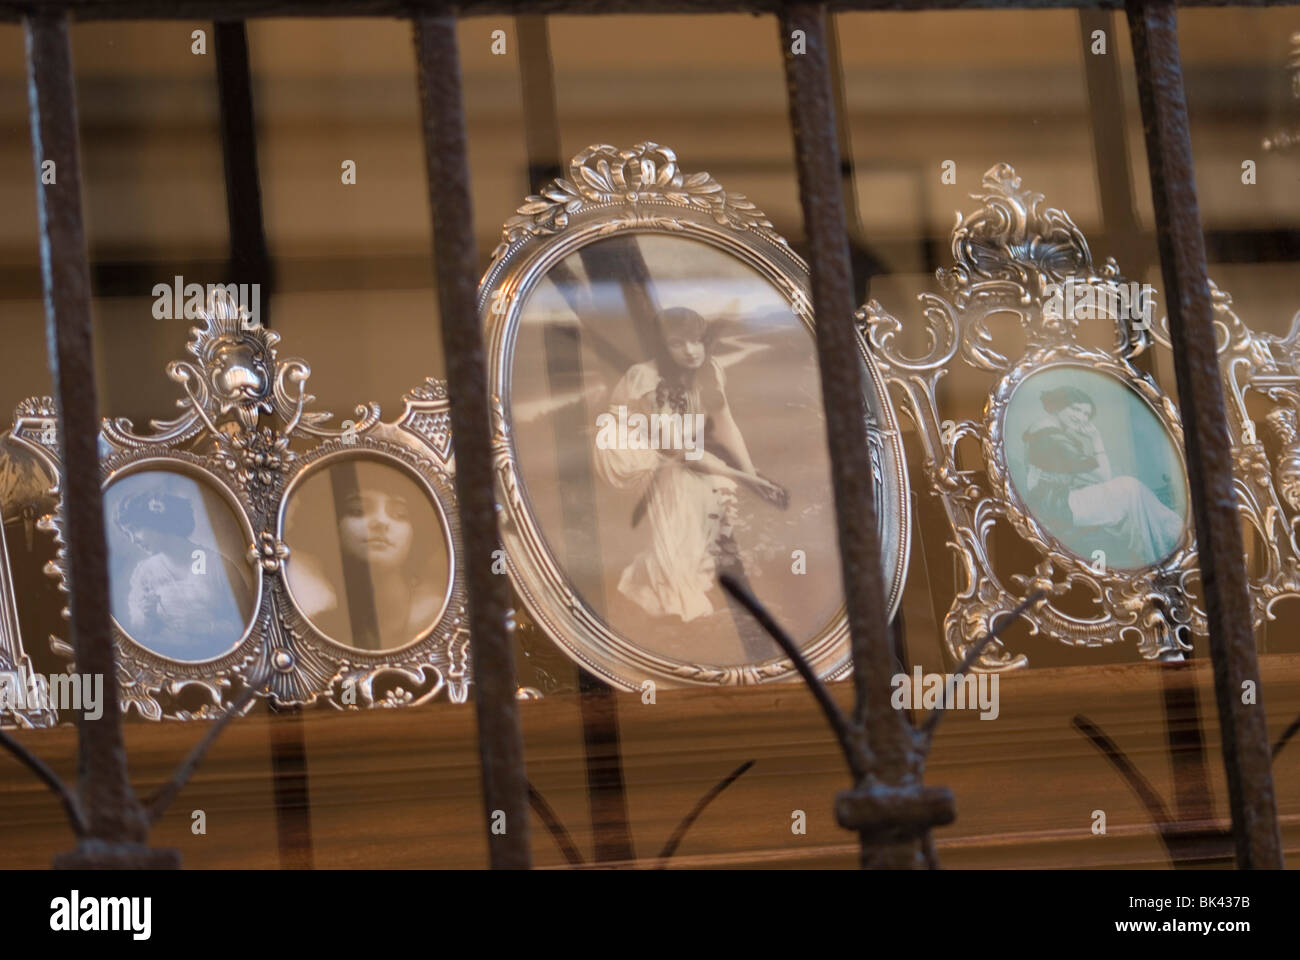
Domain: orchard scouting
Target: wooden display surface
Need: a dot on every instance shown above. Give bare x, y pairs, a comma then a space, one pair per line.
400, 788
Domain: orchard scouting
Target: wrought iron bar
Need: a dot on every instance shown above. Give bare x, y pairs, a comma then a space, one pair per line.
246, 9
1153, 25
116, 825
505, 786
812, 117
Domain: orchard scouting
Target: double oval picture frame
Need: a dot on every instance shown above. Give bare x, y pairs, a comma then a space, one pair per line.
306, 561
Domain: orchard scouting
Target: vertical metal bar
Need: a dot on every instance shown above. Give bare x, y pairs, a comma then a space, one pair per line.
250, 261
1154, 28
112, 813
813, 120
505, 787
864, 262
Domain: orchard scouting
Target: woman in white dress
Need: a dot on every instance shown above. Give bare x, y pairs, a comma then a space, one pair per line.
690, 501
1072, 489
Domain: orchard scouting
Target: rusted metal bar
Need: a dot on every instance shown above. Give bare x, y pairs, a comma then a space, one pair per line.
116, 824
505, 786
1154, 30
247, 9
812, 117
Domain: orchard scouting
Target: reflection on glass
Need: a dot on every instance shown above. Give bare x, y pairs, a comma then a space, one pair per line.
368, 563
1096, 467
176, 585
668, 427
688, 493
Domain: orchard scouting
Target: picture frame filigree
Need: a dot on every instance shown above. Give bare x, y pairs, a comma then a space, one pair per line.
247, 438
642, 197
1013, 258
1263, 369
25, 496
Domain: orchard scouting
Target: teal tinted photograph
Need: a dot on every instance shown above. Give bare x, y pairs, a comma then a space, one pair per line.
1095, 466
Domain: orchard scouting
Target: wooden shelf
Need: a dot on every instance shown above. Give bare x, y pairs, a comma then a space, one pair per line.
400, 788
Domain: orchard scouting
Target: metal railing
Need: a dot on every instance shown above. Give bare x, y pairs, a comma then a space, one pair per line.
115, 826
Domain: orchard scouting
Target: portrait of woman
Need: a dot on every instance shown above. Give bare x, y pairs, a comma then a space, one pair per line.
368, 565
177, 587
1075, 488
688, 501
637, 327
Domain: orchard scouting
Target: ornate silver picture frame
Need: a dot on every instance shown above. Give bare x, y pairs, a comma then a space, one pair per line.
1077, 449
658, 420
250, 544
27, 493
1261, 378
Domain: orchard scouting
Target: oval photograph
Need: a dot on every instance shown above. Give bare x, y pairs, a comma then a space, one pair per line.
666, 413
368, 562
180, 584
1095, 467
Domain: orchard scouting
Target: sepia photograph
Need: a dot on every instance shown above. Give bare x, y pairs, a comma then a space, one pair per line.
667, 416
1095, 467
368, 563
180, 583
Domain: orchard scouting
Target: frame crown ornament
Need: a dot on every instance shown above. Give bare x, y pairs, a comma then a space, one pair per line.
1013, 258
646, 174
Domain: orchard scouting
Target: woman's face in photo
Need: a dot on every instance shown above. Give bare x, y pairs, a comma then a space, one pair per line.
1076, 415
376, 528
686, 351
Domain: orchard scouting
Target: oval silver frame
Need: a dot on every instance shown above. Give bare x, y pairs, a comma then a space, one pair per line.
613, 192
438, 658
1015, 257
142, 670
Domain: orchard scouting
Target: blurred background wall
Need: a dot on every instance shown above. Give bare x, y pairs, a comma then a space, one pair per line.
352, 263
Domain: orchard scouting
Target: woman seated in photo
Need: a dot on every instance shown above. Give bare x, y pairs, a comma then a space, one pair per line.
1072, 490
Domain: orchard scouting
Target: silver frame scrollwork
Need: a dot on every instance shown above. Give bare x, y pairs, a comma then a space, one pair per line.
1268, 488
235, 382
1010, 257
612, 192
38, 414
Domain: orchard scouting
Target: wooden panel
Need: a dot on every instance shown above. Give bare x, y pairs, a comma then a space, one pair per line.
400, 788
